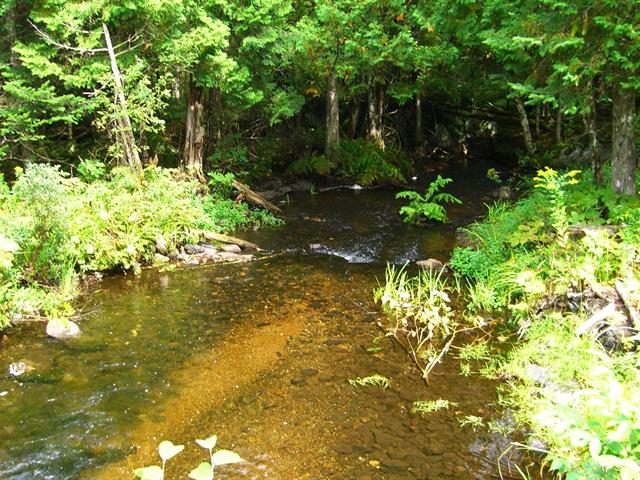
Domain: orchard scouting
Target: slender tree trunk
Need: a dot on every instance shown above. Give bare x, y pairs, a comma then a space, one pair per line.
559, 119
193, 153
623, 153
124, 131
419, 132
355, 118
10, 19
594, 144
332, 115
374, 110
526, 130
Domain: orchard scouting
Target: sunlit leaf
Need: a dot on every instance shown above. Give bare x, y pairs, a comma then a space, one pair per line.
149, 473
224, 457
209, 443
202, 472
168, 450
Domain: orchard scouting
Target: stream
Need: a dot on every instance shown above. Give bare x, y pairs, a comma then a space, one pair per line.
258, 353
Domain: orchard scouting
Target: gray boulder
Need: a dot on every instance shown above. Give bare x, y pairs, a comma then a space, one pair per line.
62, 329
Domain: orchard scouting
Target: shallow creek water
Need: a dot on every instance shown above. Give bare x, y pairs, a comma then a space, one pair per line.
257, 353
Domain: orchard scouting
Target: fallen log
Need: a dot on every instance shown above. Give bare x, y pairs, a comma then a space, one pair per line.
633, 313
255, 198
221, 237
596, 318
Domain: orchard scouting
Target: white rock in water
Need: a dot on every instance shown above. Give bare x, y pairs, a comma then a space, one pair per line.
356, 187
62, 329
19, 368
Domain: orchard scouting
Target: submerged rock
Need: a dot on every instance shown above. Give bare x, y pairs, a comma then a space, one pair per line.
430, 264
62, 329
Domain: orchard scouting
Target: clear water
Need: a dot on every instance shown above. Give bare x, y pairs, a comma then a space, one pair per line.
163, 355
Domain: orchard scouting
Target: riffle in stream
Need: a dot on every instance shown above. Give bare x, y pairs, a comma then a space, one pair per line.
257, 353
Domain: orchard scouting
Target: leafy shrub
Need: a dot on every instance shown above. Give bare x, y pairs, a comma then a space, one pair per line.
470, 263
427, 206
91, 170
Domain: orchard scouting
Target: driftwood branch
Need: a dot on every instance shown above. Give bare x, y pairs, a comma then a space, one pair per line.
221, 237
254, 198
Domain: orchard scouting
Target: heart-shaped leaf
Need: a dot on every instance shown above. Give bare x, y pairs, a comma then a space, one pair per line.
202, 472
224, 457
168, 450
149, 473
209, 443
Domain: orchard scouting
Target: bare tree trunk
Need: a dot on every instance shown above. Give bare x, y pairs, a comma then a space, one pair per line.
419, 132
374, 110
124, 131
10, 19
594, 144
355, 118
332, 115
524, 122
559, 118
193, 153
623, 154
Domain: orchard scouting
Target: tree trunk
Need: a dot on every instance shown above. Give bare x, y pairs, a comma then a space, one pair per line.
374, 110
419, 132
10, 19
355, 118
594, 144
124, 131
623, 153
559, 118
526, 131
332, 116
193, 153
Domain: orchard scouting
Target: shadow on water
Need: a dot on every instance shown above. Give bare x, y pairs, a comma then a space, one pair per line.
258, 353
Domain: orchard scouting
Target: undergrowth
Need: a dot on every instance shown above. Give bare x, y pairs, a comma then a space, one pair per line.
54, 228
537, 274
359, 161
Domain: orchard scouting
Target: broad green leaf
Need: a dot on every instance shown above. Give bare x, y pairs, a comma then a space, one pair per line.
209, 443
149, 473
168, 450
224, 457
202, 472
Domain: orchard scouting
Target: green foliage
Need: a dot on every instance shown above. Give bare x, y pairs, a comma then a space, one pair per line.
91, 170
427, 206
204, 471
375, 380
429, 406
62, 227
356, 160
